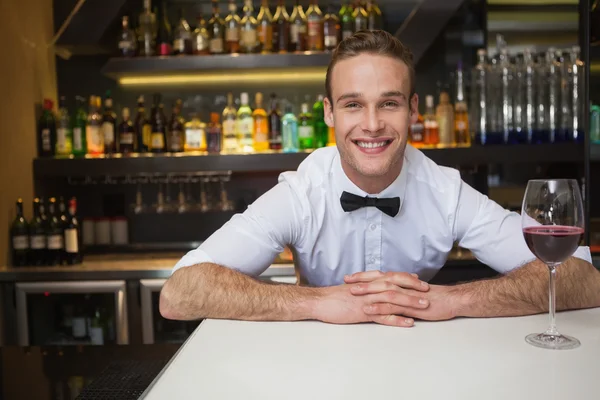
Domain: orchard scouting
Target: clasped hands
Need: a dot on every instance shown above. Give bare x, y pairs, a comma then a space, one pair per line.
391, 298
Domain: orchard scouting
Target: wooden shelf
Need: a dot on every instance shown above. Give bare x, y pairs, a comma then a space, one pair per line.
277, 161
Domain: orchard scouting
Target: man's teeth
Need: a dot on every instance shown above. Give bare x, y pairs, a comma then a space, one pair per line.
371, 145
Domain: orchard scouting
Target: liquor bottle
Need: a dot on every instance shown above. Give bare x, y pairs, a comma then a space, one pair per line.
73, 235
564, 116
527, 88
298, 28
361, 18
19, 236
195, 134
80, 322
347, 20
281, 29
126, 133
445, 117
164, 38
158, 142
479, 99
314, 18
274, 124
54, 235
93, 129
504, 92
320, 127
37, 236
109, 127
261, 125
147, 31
182, 37
374, 18
306, 131
289, 130
143, 128
79, 128
216, 31
230, 139
417, 132
461, 112
127, 41
176, 129
245, 125
232, 29
432, 132
62, 212
265, 27
214, 134
576, 91
249, 30
201, 38
47, 131
331, 140
331, 29
64, 132
97, 334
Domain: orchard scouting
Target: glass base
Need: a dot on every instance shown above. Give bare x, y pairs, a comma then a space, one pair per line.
554, 342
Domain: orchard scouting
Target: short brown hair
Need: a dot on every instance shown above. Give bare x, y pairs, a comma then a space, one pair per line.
371, 42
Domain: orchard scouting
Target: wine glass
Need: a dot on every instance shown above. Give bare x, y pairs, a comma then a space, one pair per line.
553, 225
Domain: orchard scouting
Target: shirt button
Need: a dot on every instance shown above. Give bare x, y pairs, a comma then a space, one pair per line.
373, 227
372, 260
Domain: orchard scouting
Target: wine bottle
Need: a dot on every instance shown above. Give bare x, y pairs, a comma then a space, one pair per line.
54, 235
19, 234
72, 235
37, 235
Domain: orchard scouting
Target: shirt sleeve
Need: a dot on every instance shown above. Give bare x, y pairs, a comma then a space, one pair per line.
492, 233
249, 242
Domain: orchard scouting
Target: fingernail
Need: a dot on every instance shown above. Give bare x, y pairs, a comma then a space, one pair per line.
409, 321
425, 284
415, 275
422, 301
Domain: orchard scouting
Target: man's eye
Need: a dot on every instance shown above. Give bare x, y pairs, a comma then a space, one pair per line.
352, 105
390, 104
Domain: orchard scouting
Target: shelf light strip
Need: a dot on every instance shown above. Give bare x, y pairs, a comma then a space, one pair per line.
312, 75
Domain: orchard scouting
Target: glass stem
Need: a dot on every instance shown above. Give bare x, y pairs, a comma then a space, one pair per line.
552, 286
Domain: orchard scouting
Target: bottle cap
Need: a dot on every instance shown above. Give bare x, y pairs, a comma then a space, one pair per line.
108, 102
48, 104
320, 97
244, 98
126, 113
214, 117
304, 108
258, 99
429, 101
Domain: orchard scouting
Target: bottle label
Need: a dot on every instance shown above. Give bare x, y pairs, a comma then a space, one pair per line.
229, 127
97, 335
126, 45
95, 140
232, 34
416, 132
245, 127
108, 130
294, 32
261, 131
55, 242
305, 132
330, 41
146, 134
157, 141
79, 327
38, 242
71, 242
62, 146
216, 45
77, 139
431, 124
193, 138
314, 29
20, 242
249, 37
461, 125
176, 140
213, 140
46, 140
179, 45
126, 138
347, 34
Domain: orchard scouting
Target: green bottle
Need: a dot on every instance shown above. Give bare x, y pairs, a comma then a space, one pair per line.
347, 20
320, 127
64, 133
306, 130
79, 124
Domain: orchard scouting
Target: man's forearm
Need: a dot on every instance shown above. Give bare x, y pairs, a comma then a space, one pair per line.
213, 291
525, 291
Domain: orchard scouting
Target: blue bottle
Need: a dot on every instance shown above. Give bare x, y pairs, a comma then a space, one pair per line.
289, 131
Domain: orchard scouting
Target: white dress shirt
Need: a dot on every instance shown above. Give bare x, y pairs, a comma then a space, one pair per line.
303, 211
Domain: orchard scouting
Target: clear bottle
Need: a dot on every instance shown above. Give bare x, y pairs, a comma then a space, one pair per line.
176, 129
93, 129
64, 132
529, 112
261, 125
432, 129
281, 29
245, 125
214, 134
249, 30
347, 20
127, 42
232, 29
331, 29
445, 116
109, 126
576, 94
126, 133
265, 27
519, 104
553, 82
504, 76
274, 124
201, 38
298, 28
374, 17
361, 18
147, 31
182, 37
231, 143
289, 131
306, 130
321, 130
314, 18
216, 30
195, 134
79, 128
461, 111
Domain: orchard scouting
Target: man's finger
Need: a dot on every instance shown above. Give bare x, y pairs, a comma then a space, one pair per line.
393, 320
399, 299
384, 309
366, 276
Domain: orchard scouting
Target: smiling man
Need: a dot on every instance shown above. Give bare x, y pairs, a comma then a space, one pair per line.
370, 222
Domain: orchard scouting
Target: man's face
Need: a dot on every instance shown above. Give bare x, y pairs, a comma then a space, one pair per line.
371, 113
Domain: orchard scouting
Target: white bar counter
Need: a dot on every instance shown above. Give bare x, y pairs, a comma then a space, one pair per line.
479, 359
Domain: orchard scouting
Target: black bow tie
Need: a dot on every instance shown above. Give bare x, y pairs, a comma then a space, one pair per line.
351, 202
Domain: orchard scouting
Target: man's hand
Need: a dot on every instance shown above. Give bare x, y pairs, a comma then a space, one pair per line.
436, 303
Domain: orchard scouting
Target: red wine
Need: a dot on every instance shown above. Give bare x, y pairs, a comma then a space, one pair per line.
553, 244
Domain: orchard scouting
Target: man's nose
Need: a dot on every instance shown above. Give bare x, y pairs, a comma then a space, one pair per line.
372, 121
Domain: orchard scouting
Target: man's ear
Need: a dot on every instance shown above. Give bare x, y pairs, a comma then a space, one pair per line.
328, 108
